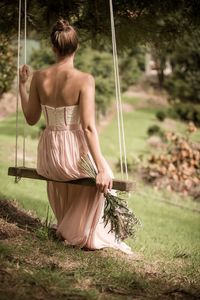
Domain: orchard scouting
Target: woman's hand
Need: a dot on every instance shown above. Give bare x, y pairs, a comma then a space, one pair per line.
104, 182
24, 73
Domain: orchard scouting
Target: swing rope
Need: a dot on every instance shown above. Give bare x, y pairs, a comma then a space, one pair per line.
25, 52
120, 121
17, 102
17, 91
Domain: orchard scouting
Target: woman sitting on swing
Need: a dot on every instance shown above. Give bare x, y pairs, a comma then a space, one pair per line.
66, 96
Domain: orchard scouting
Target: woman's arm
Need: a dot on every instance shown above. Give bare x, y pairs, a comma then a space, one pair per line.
87, 114
30, 105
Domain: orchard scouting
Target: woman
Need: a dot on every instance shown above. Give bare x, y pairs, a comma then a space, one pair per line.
66, 96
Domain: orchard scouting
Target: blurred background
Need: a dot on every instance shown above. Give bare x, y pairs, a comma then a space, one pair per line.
158, 46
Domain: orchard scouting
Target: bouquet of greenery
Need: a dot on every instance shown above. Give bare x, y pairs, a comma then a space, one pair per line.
116, 212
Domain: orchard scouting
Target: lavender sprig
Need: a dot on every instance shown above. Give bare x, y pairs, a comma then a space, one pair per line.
116, 212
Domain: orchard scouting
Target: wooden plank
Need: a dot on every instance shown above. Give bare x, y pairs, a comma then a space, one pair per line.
120, 185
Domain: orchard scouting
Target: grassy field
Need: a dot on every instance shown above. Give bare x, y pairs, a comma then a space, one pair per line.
167, 257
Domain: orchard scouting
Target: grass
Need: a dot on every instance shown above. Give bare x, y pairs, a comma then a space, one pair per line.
169, 231
71, 274
136, 124
135, 135
166, 248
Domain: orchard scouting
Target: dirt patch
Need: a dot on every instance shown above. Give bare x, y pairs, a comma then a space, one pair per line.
10, 212
169, 124
150, 97
127, 107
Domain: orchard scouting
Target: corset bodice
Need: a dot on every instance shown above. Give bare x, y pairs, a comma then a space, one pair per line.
61, 116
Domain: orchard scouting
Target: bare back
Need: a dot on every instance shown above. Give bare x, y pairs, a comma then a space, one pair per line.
59, 85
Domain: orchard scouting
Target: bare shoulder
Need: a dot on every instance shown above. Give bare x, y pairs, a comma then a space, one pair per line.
85, 78
37, 75
41, 72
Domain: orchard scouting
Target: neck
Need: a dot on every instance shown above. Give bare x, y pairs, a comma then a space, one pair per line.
68, 60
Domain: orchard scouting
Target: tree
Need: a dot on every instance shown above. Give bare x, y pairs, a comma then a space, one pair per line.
161, 24
160, 57
131, 66
184, 83
136, 21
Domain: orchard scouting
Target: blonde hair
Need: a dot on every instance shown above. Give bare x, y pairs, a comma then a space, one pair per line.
64, 37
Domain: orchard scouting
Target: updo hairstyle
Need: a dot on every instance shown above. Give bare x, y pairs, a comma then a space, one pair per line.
64, 38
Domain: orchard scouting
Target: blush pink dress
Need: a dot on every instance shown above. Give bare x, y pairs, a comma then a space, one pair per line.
78, 209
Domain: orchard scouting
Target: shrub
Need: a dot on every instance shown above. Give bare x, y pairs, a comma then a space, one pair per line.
42, 57
131, 66
160, 115
186, 112
184, 81
155, 130
7, 64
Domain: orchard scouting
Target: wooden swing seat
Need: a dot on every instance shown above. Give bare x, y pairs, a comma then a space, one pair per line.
120, 185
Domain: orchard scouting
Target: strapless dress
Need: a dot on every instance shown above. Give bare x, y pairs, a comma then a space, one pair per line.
78, 209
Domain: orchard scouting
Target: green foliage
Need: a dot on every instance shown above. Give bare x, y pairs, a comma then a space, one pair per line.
7, 64
135, 21
185, 112
159, 55
104, 94
155, 130
131, 65
42, 57
160, 115
100, 65
184, 83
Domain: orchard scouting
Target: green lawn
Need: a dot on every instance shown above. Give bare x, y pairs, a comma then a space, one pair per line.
168, 241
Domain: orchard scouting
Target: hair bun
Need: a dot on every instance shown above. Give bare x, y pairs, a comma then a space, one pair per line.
64, 38
62, 25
